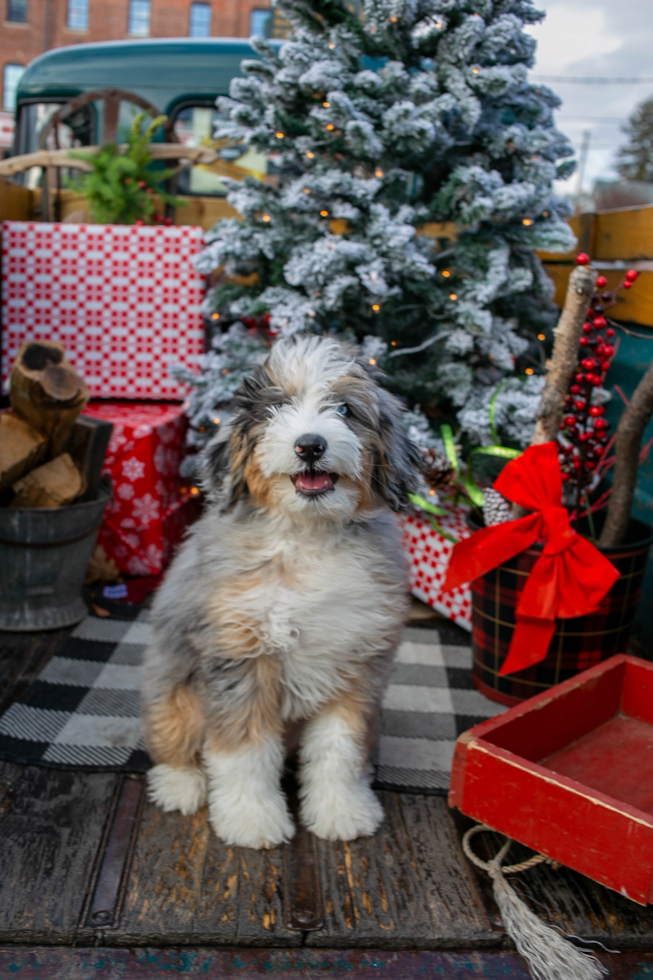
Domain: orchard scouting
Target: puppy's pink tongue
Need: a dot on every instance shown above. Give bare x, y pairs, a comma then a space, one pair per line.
314, 481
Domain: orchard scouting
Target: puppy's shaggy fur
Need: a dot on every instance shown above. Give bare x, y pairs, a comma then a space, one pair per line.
282, 610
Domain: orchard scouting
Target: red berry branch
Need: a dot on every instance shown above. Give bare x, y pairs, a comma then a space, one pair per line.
584, 431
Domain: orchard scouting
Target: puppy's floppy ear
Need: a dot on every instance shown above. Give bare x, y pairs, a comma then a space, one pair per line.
226, 456
398, 461
220, 479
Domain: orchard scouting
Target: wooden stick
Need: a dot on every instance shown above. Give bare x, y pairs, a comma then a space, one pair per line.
628, 442
61, 158
564, 358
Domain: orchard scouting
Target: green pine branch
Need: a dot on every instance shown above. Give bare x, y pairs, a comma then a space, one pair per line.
121, 188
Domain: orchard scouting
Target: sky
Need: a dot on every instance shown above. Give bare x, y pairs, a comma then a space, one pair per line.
595, 38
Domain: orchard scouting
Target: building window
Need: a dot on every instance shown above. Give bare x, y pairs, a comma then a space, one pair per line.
258, 20
139, 18
17, 11
77, 18
11, 78
200, 20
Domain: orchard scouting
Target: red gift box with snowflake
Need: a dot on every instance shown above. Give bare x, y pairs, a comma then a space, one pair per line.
150, 509
428, 548
124, 300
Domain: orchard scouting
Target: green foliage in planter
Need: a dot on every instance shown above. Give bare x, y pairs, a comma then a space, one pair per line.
121, 187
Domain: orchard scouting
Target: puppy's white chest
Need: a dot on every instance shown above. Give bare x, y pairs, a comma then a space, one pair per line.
322, 615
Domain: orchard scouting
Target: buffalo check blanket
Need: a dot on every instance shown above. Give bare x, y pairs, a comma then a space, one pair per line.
82, 712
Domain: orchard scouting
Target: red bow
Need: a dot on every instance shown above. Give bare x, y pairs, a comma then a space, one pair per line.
569, 578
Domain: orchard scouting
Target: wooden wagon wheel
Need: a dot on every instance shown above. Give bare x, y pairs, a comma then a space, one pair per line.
112, 97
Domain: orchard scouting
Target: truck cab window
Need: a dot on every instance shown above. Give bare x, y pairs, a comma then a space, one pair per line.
195, 126
77, 130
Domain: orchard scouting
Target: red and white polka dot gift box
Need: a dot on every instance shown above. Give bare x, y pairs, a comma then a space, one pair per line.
124, 300
429, 553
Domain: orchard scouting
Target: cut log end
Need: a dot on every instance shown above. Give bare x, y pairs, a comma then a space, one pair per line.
38, 356
54, 484
46, 391
21, 448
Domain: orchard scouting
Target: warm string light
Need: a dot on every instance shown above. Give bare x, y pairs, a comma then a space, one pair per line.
446, 273
376, 307
529, 370
541, 336
327, 105
330, 127
310, 155
324, 213
194, 491
216, 421
279, 136
307, 190
393, 343
266, 217
378, 172
215, 316
527, 222
331, 47
372, 360
453, 296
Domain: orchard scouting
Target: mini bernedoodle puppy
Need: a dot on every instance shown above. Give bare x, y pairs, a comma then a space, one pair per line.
280, 616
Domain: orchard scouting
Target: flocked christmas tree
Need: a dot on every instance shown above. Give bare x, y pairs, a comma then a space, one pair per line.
413, 169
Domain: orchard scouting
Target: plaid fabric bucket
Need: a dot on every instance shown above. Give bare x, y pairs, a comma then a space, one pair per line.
577, 643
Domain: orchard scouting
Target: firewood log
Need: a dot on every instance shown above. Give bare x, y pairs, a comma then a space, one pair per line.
52, 485
21, 448
46, 391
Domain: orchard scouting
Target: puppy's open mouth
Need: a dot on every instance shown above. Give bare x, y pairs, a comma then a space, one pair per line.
313, 483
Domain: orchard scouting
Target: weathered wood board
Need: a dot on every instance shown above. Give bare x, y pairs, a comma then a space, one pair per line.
635, 306
50, 828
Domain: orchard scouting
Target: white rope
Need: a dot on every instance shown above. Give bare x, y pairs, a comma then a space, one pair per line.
548, 954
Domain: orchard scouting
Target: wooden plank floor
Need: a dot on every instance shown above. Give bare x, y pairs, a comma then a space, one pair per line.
409, 887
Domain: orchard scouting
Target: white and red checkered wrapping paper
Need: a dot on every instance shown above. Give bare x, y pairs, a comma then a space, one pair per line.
124, 300
428, 555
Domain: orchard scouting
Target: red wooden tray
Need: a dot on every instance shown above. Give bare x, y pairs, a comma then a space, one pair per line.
570, 774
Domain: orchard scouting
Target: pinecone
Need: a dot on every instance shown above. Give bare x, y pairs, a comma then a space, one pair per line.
496, 509
438, 471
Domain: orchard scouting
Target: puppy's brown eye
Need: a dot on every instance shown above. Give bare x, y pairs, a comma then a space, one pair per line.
343, 410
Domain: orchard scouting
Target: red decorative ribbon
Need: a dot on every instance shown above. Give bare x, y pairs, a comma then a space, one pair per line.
569, 578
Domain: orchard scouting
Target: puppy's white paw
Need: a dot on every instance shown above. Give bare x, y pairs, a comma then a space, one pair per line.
342, 812
260, 823
184, 788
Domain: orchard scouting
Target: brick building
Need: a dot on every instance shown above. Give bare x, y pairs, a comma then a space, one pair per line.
31, 27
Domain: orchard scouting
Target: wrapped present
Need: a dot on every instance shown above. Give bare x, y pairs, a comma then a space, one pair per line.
124, 300
429, 551
150, 509
569, 579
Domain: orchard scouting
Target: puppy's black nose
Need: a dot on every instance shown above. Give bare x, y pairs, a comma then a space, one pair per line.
310, 448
